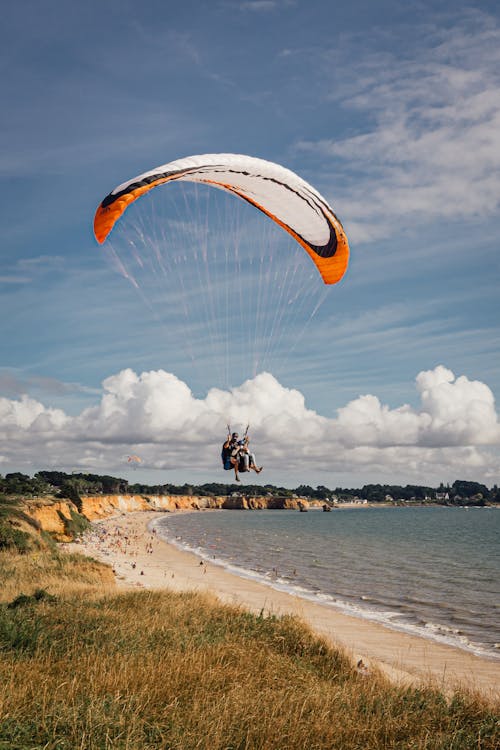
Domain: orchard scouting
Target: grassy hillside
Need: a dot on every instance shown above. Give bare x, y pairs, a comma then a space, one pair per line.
83, 666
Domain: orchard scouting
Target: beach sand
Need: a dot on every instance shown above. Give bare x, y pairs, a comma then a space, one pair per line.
140, 558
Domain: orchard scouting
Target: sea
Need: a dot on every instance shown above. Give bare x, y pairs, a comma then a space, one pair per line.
432, 572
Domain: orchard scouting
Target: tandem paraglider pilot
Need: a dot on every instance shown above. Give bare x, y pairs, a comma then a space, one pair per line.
236, 455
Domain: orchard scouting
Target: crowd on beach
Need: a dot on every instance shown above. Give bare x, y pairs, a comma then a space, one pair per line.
125, 548
113, 543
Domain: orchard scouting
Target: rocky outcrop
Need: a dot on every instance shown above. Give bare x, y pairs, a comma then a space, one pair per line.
275, 502
100, 506
58, 517
53, 517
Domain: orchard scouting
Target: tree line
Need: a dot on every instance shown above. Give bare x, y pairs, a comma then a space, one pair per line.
74, 485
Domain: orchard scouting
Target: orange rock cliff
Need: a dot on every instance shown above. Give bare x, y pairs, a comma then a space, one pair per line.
56, 516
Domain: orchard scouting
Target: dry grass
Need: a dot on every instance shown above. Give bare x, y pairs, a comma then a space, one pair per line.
59, 574
180, 671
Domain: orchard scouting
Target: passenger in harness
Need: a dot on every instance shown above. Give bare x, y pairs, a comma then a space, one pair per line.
247, 459
235, 454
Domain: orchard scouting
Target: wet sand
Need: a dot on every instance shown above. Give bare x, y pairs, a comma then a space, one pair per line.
141, 559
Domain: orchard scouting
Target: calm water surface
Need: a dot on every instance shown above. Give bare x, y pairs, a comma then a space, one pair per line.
431, 571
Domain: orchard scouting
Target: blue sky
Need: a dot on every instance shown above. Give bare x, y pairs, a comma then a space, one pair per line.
391, 110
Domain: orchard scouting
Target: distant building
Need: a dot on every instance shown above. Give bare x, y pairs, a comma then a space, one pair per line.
442, 496
359, 501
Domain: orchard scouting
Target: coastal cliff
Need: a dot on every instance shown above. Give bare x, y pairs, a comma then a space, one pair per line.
100, 506
62, 519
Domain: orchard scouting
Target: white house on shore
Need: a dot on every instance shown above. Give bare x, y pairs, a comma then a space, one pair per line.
442, 496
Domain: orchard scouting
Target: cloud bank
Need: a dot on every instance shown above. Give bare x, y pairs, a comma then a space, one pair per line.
454, 432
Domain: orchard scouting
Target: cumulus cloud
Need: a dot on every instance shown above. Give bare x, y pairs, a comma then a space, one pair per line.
454, 412
27, 414
431, 144
156, 415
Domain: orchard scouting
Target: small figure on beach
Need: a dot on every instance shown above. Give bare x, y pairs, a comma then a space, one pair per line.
361, 668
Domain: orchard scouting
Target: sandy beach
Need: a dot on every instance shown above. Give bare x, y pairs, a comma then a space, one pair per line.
140, 558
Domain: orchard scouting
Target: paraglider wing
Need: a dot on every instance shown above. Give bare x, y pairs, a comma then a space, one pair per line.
278, 192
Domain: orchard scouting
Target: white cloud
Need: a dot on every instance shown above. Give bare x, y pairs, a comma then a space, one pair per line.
454, 412
155, 415
432, 149
27, 414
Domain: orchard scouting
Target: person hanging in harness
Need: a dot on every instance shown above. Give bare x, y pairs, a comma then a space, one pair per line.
236, 454
246, 458
230, 453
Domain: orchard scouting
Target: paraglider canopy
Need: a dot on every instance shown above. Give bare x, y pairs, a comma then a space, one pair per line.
282, 195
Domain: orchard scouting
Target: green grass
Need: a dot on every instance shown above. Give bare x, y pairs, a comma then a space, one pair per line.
75, 525
12, 538
180, 671
12, 520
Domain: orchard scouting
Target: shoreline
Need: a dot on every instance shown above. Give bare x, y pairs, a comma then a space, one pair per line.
142, 559
326, 600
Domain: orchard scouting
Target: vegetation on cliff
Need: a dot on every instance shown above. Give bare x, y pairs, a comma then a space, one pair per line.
18, 531
22, 531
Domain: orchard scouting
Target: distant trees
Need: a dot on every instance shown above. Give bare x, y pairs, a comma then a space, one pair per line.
320, 493
71, 490
377, 492
74, 485
53, 482
468, 489
21, 484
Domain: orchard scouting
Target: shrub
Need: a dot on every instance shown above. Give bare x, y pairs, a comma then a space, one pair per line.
75, 525
71, 491
13, 539
25, 599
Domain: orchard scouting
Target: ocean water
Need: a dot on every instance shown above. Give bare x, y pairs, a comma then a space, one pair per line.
434, 572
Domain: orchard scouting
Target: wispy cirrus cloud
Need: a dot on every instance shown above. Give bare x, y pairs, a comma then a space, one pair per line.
14, 384
26, 270
263, 6
14, 279
430, 146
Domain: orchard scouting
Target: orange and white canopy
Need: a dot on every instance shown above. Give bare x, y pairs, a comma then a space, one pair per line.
278, 192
